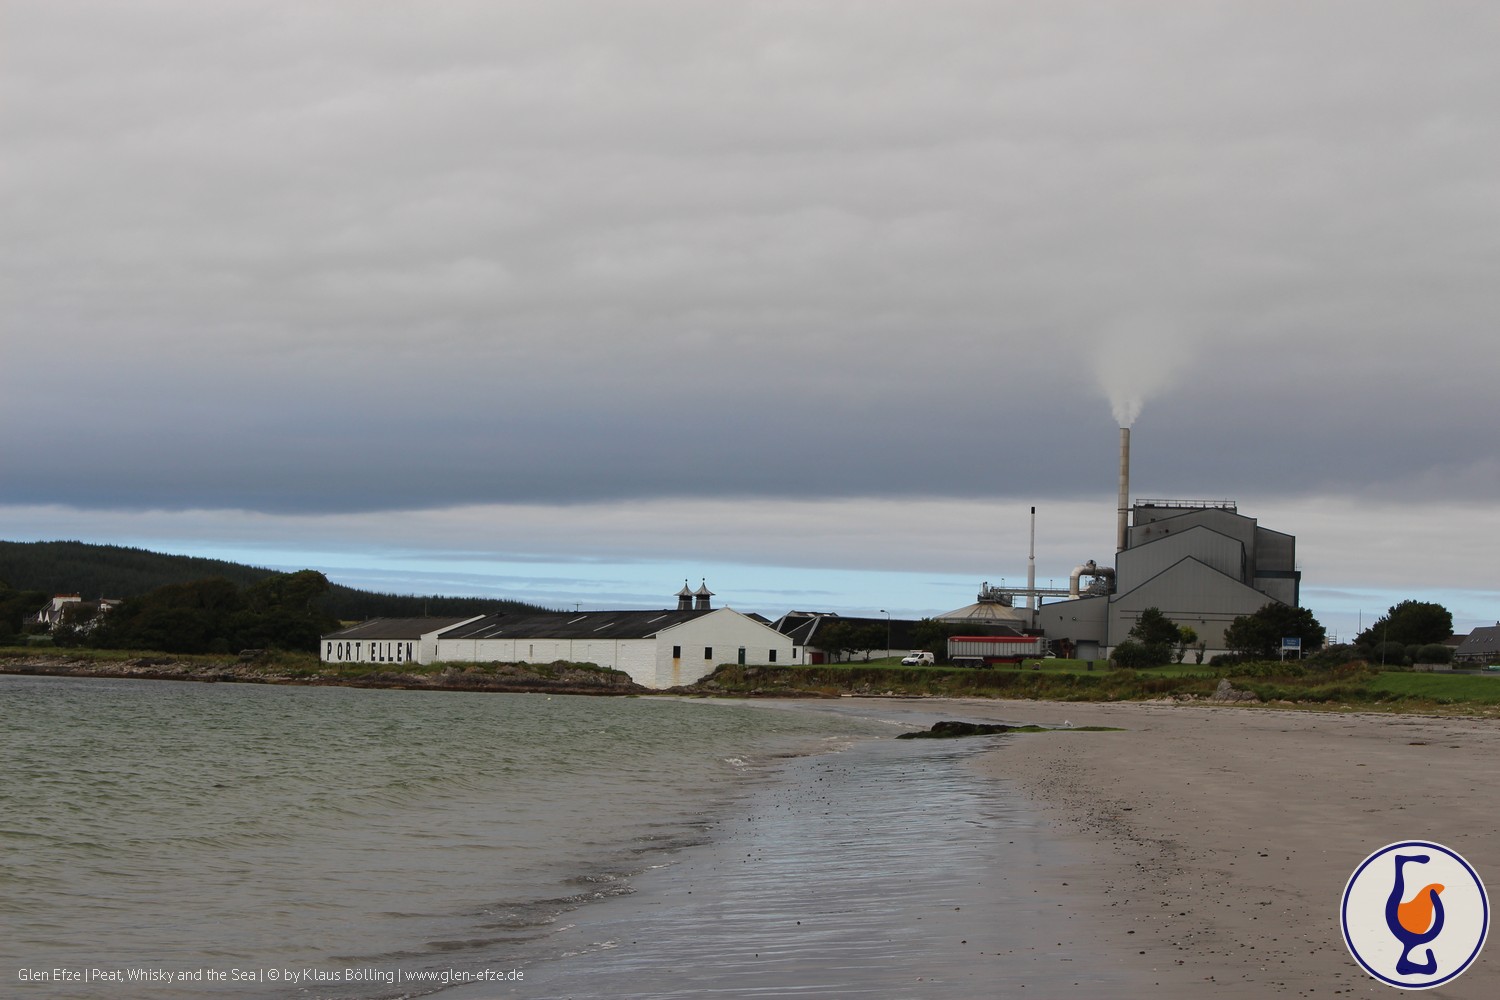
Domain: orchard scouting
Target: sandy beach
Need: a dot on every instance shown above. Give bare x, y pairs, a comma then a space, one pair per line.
1215, 843
1196, 851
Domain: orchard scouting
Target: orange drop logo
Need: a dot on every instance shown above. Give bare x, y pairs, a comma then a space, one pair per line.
1417, 916
1414, 914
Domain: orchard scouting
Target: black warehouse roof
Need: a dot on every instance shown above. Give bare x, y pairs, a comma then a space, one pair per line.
396, 628
574, 624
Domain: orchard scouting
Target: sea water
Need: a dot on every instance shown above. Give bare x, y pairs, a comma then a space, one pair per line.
174, 839
893, 869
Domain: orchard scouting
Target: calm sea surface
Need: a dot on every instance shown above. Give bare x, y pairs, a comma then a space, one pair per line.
345, 839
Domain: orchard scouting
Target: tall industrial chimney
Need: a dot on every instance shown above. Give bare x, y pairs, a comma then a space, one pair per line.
1032, 604
1122, 525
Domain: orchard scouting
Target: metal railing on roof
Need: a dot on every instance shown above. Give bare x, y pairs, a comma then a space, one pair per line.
1228, 505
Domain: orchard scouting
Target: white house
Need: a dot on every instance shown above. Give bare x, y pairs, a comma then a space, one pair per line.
87, 616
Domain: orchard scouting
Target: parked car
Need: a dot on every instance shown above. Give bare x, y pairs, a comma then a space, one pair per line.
917, 657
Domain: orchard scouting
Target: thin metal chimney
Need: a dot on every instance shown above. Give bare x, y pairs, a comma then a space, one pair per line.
1031, 600
1122, 524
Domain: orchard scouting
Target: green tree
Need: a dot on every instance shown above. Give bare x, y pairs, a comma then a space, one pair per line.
1156, 633
296, 592
868, 637
1333, 656
1133, 653
1153, 628
215, 616
283, 612
836, 638
15, 607
78, 621
1187, 636
1432, 652
840, 639
933, 635
1259, 635
1410, 623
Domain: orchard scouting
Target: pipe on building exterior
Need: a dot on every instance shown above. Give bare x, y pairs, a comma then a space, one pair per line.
1089, 568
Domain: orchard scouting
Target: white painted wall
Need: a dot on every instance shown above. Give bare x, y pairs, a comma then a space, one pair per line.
725, 633
637, 657
647, 660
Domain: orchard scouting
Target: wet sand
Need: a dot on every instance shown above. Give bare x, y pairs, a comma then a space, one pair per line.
891, 869
1215, 843
1197, 852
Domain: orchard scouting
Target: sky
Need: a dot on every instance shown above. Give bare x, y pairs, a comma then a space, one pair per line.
573, 301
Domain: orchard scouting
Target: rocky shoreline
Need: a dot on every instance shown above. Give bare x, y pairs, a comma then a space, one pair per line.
557, 678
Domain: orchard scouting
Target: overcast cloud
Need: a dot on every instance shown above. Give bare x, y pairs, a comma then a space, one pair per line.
294, 261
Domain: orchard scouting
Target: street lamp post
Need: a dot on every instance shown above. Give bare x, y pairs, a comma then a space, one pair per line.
887, 631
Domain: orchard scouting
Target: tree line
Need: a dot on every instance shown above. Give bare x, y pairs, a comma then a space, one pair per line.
211, 616
113, 571
1410, 632
16, 605
35, 571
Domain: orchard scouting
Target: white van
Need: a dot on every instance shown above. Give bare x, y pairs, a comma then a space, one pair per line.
917, 657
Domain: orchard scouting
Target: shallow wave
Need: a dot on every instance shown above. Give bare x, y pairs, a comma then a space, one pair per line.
320, 827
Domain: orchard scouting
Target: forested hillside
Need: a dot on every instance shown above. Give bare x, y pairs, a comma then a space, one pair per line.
96, 571
114, 571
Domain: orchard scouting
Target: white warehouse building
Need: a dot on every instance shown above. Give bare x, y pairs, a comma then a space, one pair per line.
658, 649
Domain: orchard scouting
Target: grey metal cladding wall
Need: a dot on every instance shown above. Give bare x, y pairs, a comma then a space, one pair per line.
1284, 589
1234, 525
1134, 567
1077, 620
1189, 593
1275, 550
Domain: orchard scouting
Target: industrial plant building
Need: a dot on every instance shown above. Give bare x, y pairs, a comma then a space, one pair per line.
1201, 564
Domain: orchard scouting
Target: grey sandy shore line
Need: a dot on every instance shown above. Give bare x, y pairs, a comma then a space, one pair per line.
1195, 851
1215, 843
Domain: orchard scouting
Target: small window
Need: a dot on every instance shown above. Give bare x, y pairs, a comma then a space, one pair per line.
773, 657
708, 652
676, 652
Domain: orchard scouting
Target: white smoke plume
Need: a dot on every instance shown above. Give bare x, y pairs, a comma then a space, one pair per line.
1125, 407
1136, 359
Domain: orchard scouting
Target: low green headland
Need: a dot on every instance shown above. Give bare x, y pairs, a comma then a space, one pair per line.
1352, 686
277, 667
